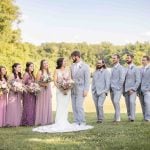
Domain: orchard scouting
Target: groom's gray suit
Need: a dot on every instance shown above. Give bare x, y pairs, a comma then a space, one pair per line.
81, 77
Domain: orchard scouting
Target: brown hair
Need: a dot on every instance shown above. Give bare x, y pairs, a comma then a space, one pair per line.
42, 67
14, 72
130, 55
104, 65
118, 56
28, 64
76, 53
5, 76
147, 57
59, 62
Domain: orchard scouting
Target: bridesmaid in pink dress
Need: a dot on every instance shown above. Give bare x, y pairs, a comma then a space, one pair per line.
3, 96
14, 107
29, 99
44, 98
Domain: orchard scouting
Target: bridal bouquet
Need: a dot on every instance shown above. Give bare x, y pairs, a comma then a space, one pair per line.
3, 87
65, 85
17, 86
33, 88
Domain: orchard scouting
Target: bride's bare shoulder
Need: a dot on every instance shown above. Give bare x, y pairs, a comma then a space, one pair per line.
55, 71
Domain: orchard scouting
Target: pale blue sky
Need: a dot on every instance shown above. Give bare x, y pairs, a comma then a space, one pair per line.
92, 21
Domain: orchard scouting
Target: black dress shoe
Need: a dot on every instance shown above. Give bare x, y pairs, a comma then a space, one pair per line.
147, 120
132, 120
99, 121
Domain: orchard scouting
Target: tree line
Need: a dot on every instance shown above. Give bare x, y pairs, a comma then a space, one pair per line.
12, 49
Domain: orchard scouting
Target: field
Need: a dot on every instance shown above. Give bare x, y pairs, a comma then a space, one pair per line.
106, 136
125, 135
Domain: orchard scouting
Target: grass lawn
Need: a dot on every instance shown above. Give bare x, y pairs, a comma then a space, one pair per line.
125, 135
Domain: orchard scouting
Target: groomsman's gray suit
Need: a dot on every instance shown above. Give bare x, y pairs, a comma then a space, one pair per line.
81, 76
117, 80
145, 92
132, 82
100, 88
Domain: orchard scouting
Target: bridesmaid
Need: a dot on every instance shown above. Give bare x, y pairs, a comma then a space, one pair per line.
44, 98
3, 97
29, 99
14, 108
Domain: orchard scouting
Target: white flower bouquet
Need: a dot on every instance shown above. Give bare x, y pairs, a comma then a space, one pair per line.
3, 87
65, 84
17, 86
33, 88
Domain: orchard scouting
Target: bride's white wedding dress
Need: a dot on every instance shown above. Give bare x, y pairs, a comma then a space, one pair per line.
61, 120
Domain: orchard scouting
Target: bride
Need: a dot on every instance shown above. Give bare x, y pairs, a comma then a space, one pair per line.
63, 97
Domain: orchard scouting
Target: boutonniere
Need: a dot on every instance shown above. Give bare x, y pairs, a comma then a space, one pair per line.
80, 66
132, 67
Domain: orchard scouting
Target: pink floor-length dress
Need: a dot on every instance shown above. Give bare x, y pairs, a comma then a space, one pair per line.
3, 100
44, 106
14, 108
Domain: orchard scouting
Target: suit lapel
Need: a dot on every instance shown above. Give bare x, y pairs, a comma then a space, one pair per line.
79, 69
147, 68
112, 71
73, 70
144, 72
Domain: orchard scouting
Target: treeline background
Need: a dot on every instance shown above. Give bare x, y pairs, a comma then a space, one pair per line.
12, 49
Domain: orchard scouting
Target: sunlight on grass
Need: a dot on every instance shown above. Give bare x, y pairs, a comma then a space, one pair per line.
53, 141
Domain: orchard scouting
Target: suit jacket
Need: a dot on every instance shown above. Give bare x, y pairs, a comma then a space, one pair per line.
101, 82
117, 77
132, 79
145, 79
81, 77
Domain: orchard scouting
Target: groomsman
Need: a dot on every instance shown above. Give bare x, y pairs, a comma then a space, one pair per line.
132, 82
100, 88
145, 88
117, 80
81, 75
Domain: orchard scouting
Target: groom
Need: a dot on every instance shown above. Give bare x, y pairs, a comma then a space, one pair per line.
81, 76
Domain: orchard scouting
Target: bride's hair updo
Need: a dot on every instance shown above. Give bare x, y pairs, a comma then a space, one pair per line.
59, 62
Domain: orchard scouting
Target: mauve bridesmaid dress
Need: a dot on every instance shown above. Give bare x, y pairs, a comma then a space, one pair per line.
14, 107
3, 100
44, 106
29, 103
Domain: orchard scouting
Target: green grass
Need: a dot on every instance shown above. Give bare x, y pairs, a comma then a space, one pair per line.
125, 135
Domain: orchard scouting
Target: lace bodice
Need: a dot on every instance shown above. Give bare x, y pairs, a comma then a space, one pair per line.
63, 74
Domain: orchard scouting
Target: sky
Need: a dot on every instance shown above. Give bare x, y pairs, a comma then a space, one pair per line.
92, 21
